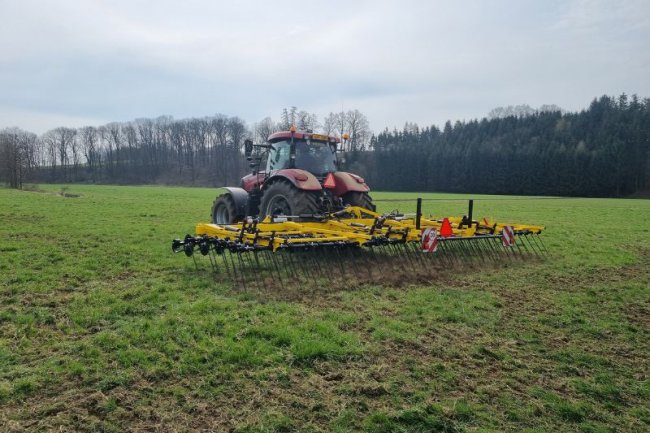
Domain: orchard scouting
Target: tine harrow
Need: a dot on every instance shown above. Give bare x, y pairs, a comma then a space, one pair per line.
355, 246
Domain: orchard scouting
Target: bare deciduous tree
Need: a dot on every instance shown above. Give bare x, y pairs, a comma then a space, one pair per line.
17, 149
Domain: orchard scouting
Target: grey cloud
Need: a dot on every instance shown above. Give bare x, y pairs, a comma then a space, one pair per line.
419, 61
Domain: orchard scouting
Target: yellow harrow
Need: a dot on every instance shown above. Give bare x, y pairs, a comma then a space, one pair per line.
355, 246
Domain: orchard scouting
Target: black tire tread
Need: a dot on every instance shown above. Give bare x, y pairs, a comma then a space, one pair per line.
360, 199
301, 202
229, 203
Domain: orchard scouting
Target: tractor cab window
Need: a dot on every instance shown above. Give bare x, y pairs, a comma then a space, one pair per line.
315, 157
279, 158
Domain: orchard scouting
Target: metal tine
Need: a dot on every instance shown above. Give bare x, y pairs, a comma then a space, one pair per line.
536, 238
262, 257
520, 254
255, 269
523, 244
479, 248
225, 264
305, 265
346, 268
272, 258
462, 250
400, 253
494, 253
534, 245
473, 253
242, 269
489, 250
196, 265
360, 258
301, 265
417, 259
532, 241
420, 255
329, 262
434, 258
453, 251
318, 267
339, 263
528, 245
312, 257
508, 250
443, 253
530, 238
262, 269
212, 258
288, 256
228, 257
286, 265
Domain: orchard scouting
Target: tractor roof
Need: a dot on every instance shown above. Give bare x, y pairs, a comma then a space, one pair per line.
302, 135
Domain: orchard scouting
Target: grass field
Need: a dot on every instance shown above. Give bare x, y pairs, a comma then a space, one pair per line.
102, 328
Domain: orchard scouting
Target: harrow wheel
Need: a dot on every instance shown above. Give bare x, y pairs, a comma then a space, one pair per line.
360, 199
282, 198
223, 210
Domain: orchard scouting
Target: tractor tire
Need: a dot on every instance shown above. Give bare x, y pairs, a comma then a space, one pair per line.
282, 198
223, 210
360, 199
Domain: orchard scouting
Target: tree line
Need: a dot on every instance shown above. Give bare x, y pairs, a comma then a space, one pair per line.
198, 151
600, 151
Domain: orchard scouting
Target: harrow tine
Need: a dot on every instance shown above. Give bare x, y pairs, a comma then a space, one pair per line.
272, 259
538, 244
536, 238
523, 238
348, 251
490, 241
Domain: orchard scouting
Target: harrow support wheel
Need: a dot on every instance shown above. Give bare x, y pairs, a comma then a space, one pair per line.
223, 210
360, 199
282, 198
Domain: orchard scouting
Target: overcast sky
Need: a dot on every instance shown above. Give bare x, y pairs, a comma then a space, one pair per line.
75, 63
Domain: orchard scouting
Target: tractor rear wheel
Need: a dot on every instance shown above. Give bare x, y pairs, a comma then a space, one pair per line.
282, 198
360, 199
223, 210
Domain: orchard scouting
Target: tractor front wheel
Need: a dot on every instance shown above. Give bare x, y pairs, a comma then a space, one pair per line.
282, 198
360, 199
223, 210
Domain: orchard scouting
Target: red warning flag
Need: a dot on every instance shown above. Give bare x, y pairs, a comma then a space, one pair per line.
330, 182
446, 230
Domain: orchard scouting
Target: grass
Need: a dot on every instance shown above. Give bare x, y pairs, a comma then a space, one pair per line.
102, 328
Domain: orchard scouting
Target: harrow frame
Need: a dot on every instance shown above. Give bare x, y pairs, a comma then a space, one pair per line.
318, 249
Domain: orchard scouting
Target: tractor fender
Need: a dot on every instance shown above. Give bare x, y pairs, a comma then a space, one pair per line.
240, 197
301, 179
346, 182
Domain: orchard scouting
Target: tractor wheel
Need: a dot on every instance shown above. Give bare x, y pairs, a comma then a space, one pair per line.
223, 210
360, 199
282, 198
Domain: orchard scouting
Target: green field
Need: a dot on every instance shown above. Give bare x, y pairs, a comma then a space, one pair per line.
102, 328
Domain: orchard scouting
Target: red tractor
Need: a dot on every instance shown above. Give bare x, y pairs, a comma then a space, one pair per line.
301, 179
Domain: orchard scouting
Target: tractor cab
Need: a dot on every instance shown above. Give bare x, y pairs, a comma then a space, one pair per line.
315, 154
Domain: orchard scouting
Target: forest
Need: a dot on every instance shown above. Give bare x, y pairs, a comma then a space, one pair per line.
600, 151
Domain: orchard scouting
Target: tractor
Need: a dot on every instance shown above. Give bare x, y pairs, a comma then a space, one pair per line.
301, 180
